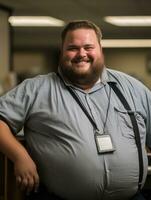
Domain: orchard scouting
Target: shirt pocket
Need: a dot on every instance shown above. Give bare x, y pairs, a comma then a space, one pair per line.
125, 124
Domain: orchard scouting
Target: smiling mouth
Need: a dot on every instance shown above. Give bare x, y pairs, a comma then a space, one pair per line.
80, 61
81, 64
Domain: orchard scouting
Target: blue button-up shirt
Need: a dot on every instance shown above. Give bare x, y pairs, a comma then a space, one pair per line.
60, 137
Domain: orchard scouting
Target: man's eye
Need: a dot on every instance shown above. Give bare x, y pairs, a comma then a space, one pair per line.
89, 48
72, 48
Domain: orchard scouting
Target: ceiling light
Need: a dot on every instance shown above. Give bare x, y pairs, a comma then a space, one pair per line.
35, 21
129, 20
126, 43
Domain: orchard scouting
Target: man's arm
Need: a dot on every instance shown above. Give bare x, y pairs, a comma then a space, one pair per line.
24, 167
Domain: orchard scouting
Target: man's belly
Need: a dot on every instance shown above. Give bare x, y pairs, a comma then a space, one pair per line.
76, 171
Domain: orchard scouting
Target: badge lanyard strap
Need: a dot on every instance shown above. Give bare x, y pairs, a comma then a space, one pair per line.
135, 129
76, 97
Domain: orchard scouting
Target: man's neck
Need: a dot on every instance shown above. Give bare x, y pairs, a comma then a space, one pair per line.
85, 87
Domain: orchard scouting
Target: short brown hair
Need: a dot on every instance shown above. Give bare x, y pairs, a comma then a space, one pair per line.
77, 24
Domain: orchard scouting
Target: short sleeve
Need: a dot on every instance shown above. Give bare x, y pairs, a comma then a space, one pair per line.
15, 105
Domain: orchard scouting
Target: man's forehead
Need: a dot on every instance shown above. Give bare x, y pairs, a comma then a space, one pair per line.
81, 34
80, 30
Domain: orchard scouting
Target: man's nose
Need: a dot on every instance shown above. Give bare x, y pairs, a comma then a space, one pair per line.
82, 52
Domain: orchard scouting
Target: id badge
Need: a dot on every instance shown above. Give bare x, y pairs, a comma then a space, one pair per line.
104, 143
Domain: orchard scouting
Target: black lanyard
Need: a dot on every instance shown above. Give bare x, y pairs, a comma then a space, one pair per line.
75, 96
80, 104
135, 129
132, 118
82, 107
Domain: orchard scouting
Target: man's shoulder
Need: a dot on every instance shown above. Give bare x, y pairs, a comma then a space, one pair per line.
39, 83
41, 79
44, 77
119, 76
128, 82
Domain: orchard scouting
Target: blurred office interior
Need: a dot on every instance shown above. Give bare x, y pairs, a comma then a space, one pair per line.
28, 49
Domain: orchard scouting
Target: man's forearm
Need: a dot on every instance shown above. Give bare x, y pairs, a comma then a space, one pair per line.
9, 145
24, 167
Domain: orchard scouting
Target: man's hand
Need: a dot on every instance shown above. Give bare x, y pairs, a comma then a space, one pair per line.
26, 174
25, 168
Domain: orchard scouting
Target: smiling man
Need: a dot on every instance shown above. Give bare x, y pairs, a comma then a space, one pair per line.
82, 59
84, 142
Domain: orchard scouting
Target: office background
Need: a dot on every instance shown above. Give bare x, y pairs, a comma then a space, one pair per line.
26, 51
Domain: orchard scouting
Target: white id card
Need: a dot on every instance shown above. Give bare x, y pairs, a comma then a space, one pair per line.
104, 143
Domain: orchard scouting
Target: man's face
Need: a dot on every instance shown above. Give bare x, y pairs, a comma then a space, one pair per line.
82, 59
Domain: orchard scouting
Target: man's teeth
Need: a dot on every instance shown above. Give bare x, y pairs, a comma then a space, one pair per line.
82, 61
